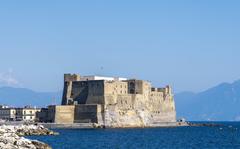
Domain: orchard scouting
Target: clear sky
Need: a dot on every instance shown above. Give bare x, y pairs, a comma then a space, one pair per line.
192, 45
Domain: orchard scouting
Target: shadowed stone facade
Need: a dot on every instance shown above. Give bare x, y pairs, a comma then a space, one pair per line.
114, 102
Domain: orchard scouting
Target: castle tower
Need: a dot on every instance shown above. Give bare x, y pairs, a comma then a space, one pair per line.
67, 90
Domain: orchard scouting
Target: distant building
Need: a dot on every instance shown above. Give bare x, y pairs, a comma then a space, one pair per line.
3, 106
19, 114
112, 102
26, 113
7, 113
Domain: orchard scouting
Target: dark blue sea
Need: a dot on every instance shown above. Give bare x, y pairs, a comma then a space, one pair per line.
225, 136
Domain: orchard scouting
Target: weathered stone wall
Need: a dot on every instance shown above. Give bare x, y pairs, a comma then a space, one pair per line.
79, 92
67, 93
139, 110
83, 92
95, 92
61, 114
116, 88
88, 114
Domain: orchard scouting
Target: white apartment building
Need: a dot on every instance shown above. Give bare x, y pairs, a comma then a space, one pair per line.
26, 114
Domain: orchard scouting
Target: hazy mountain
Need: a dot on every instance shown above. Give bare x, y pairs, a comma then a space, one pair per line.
218, 103
22, 96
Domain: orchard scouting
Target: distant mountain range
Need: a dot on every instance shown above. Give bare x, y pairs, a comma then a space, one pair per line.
21, 96
220, 103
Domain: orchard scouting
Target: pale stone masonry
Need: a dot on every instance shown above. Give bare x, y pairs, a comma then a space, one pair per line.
113, 102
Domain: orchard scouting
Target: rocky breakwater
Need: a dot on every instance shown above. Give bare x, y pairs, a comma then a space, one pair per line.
11, 137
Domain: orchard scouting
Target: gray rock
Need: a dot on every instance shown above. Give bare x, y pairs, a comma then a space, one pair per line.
10, 137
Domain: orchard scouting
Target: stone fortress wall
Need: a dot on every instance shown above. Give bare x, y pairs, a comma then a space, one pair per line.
117, 102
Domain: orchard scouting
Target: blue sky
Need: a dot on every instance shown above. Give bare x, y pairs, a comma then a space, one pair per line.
192, 45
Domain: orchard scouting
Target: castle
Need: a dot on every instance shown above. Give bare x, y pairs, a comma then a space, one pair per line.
113, 102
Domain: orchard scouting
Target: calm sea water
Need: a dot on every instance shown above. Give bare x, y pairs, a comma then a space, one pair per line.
227, 136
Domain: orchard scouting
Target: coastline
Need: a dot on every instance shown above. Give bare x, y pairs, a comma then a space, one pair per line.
157, 125
12, 134
96, 126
